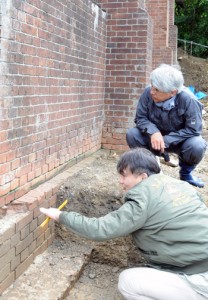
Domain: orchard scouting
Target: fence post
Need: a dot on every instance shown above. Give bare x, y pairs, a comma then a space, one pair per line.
185, 46
191, 47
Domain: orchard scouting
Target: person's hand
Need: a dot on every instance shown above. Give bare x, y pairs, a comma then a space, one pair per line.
157, 142
52, 213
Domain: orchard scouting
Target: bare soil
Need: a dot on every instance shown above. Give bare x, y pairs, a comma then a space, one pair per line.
95, 191
195, 70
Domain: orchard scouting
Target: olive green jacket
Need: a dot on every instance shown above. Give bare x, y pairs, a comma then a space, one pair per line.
166, 217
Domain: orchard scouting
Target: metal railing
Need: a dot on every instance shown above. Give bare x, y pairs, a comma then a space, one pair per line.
188, 46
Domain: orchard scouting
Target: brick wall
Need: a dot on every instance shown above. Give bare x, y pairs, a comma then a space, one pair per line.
71, 73
52, 94
173, 32
128, 64
21, 237
140, 36
52, 56
164, 32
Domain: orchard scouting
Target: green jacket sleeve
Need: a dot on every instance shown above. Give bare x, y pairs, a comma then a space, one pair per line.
127, 219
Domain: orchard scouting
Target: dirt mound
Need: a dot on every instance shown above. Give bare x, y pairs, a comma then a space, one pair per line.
195, 70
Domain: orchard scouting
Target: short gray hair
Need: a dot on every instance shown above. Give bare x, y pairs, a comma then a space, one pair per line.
167, 78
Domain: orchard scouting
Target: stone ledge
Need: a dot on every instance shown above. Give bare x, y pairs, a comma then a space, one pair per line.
19, 225
53, 273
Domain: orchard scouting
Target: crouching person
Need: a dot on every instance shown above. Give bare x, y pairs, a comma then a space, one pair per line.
168, 221
169, 120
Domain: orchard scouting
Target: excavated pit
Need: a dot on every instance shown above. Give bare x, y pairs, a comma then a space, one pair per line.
94, 192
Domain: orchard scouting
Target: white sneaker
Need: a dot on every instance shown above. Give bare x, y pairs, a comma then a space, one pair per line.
172, 162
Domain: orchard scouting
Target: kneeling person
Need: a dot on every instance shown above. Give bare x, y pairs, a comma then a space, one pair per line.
168, 221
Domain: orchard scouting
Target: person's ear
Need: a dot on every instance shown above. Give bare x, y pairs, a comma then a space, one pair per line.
173, 93
144, 176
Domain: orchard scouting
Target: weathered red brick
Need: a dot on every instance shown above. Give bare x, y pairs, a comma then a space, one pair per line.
23, 266
22, 245
15, 262
5, 247
26, 219
5, 259
7, 282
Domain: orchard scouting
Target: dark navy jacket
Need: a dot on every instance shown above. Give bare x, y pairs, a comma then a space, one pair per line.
176, 125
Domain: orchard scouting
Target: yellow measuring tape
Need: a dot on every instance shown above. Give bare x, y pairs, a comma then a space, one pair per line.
48, 218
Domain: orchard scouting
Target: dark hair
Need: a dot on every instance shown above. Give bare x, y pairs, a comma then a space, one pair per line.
138, 161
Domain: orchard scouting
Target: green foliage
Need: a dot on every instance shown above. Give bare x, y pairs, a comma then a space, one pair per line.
191, 18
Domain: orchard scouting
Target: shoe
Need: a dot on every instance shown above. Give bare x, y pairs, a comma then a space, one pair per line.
193, 180
186, 174
172, 162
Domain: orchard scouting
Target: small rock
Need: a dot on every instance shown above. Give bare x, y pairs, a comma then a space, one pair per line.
115, 270
92, 275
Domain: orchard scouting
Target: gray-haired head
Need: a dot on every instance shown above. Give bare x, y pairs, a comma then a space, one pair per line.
167, 79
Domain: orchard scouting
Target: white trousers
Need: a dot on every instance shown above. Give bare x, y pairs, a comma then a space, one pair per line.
153, 284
